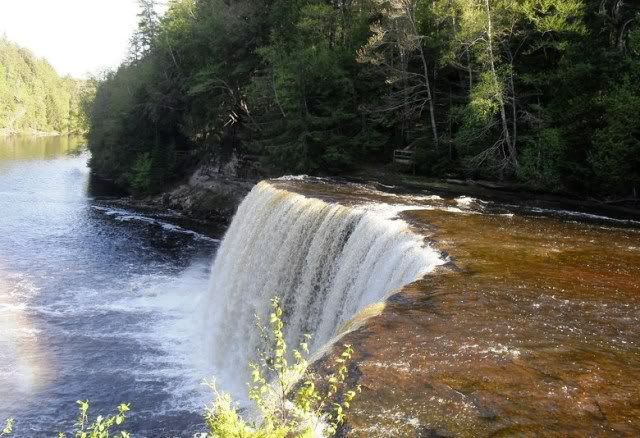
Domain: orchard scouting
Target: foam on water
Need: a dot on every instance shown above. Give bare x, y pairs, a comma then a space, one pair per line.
123, 215
325, 261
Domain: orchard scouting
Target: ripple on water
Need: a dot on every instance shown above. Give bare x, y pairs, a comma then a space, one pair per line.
95, 302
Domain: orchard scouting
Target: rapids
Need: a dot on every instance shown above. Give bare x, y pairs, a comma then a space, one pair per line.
325, 261
499, 318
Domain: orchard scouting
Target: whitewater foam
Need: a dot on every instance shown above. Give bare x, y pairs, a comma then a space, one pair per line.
325, 261
122, 215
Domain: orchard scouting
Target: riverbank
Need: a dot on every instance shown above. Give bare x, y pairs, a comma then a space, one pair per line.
206, 202
212, 194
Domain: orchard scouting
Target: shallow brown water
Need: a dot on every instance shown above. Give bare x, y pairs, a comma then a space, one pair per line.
532, 329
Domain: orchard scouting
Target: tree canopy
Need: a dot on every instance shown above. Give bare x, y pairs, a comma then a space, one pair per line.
540, 91
33, 97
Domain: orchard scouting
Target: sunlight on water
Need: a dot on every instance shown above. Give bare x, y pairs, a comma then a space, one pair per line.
24, 366
38, 148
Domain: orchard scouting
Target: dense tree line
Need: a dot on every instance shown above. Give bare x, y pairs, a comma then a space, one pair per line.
33, 97
542, 91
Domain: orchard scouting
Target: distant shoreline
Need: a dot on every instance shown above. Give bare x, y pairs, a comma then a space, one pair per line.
35, 133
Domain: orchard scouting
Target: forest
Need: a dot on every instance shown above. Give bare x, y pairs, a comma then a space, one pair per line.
35, 99
542, 92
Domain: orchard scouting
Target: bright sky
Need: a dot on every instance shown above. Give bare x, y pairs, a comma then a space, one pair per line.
76, 36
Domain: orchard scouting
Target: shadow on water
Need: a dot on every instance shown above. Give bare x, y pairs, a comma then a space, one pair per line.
103, 188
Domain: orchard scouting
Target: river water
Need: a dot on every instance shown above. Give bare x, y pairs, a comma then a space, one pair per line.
531, 329
526, 322
96, 302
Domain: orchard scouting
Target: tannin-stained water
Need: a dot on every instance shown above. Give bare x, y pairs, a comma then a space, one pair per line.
531, 330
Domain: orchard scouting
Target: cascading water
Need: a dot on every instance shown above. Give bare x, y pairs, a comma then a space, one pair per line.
325, 261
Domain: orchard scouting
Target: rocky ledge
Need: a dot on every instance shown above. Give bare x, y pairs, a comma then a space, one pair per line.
210, 194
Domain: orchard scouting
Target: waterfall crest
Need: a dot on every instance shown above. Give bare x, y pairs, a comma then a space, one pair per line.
325, 261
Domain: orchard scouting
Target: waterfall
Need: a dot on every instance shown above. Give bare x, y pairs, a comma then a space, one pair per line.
325, 262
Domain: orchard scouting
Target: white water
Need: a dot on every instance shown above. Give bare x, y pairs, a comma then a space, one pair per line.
325, 261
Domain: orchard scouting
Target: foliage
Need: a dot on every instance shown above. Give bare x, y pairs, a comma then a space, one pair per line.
101, 427
542, 158
305, 98
616, 153
291, 401
141, 178
34, 98
521, 89
8, 428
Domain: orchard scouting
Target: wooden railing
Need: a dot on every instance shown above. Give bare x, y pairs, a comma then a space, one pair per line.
403, 156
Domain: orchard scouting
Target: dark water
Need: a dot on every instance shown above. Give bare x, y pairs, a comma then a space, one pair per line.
96, 302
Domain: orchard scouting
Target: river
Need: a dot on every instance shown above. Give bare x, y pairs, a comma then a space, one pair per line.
530, 329
469, 316
96, 302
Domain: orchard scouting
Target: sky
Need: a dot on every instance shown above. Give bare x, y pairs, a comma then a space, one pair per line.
78, 37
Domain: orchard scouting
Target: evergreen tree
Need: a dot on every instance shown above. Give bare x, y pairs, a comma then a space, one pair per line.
542, 91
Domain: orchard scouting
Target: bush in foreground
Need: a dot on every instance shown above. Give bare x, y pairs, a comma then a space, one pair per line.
8, 428
292, 402
289, 400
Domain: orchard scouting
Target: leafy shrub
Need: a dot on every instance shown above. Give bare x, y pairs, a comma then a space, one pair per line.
542, 158
101, 427
8, 428
290, 402
141, 174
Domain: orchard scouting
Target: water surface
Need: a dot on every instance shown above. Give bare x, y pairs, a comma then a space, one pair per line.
96, 302
532, 329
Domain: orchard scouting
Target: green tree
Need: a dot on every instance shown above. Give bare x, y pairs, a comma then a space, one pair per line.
501, 36
305, 99
521, 89
616, 153
395, 46
33, 97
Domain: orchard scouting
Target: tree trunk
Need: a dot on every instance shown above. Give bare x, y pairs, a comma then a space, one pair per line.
405, 96
469, 70
503, 113
275, 95
514, 109
425, 71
